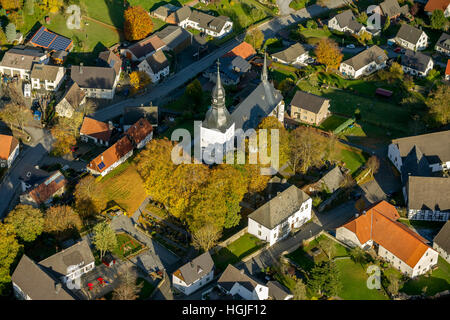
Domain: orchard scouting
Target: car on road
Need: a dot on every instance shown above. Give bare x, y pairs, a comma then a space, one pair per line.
350, 46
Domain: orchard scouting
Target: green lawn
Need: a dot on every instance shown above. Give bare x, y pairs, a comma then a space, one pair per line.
146, 290
332, 122
352, 159
438, 281
126, 245
354, 282
237, 250
300, 4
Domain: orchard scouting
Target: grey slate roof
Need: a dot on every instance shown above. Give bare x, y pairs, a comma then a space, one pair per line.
157, 61
347, 19
74, 95
131, 115
390, 8
45, 72
109, 59
207, 21
415, 164
21, 57
409, 33
173, 36
333, 179
373, 54
182, 14
93, 77
258, 105
435, 146
290, 54
38, 284
195, 269
34, 176
231, 275
74, 255
442, 239
444, 41
429, 193
415, 60
277, 291
278, 209
308, 101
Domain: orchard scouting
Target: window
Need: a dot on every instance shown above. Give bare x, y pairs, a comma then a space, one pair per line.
259, 233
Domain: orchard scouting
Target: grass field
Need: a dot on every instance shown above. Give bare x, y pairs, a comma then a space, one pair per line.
437, 282
237, 250
146, 290
300, 4
352, 159
332, 122
126, 245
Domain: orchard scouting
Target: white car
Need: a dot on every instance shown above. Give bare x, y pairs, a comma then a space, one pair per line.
350, 46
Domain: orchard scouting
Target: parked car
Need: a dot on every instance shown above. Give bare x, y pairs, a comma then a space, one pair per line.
350, 46
397, 50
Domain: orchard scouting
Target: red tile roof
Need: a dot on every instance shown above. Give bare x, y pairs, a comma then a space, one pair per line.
95, 129
111, 155
436, 4
244, 50
379, 224
447, 70
139, 131
48, 188
7, 146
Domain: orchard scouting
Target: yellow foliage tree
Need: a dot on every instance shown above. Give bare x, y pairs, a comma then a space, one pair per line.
139, 80
137, 23
328, 53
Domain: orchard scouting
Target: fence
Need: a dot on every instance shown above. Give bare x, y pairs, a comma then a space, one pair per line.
229, 240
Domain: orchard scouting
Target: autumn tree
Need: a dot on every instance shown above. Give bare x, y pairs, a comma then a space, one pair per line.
206, 237
104, 238
255, 37
306, 148
139, 80
11, 4
137, 23
61, 218
364, 37
373, 164
28, 222
438, 104
128, 289
299, 290
88, 198
9, 250
328, 53
271, 123
16, 116
65, 133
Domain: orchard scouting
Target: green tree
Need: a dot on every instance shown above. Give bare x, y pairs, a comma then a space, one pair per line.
438, 19
11, 32
61, 218
29, 7
255, 37
386, 25
357, 255
194, 92
104, 238
299, 290
28, 222
9, 250
324, 279
437, 103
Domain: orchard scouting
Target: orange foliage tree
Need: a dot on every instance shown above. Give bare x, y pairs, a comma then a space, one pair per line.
328, 53
137, 24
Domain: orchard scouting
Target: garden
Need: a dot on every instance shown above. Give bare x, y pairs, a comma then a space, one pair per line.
127, 246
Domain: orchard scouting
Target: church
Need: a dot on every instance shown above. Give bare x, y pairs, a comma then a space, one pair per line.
220, 126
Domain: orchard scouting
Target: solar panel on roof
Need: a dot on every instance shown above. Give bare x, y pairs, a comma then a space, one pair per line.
101, 165
60, 43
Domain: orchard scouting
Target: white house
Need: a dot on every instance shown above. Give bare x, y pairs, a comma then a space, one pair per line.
19, 61
235, 282
95, 131
9, 150
72, 99
46, 77
274, 220
156, 66
41, 189
411, 38
364, 63
295, 54
416, 63
403, 248
194, 274
346, 22
96, 82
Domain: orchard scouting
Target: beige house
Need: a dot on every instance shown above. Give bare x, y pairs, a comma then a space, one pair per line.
395, 243
73, 98
46, 77
309, 108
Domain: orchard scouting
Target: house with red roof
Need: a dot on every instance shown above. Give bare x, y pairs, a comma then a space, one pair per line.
447, 70
140, 133
394, 242
443, 5
95, 131
9, 150
244, 50
44, 188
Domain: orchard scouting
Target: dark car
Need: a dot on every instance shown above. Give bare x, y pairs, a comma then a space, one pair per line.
397, 50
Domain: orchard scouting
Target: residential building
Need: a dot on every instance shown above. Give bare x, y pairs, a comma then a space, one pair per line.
243, 50
46, 77
295, 54
194, 274
435, 147
109, 59
9, 150
156, 66
219, 125
278, 292
309, 108
330, 181
51, 41
441, 242
395, 243
96, 82
411, 38
346, 22
31, 281
275, 219
447, 71
443, 5
140, 133
131, 115
59, 57
216, 27
143, 48
46, 186
18, 61
233, 68
95, 131
416, 63
71, 101
364, 63
163, 12
443, 44
391, 9
176, 38
112, 157
236, 282
428, 198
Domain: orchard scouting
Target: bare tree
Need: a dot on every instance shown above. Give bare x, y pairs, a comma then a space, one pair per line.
128, 289
16, 116
373, 164
206, 237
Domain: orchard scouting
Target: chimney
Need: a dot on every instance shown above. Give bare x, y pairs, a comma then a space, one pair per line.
102, 157
81, 67
57, 287
110, 125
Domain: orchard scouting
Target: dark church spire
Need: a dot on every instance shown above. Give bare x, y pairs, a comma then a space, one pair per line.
218, 93
264, 75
